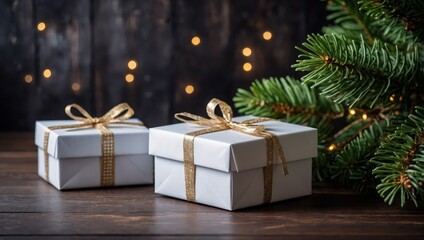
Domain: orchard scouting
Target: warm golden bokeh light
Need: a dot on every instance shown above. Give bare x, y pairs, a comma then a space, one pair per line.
28, 78
364, 116
392, 98
247, 51
76, 86
247, 67
189, 89
195, 40
267, 35
129, 78
47, 73
132, 64
352, 111
41, 26
332, 147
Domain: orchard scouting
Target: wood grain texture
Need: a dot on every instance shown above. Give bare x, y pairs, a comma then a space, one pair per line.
64, 49
17, 53
139, 31
32, 209
87, 44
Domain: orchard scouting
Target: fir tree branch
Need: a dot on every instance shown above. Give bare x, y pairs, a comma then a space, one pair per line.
354, 72
352, 166
380, 78
349, 19
365, 118
402, 18
409, 13
400, 161
285, 97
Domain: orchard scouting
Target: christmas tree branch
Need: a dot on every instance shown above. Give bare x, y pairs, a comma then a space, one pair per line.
352, 166
354, 72
400, 161
346, 14
284, 97
408, 12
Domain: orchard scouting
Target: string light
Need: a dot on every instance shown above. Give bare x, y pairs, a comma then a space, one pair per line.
332, 147
247, 51
195, 40
267, 35
76, 86
129, 78
352, 111
28, 78
247, 67
132, 64
47, 73
364, 116
392, 98
41, 26
189, 89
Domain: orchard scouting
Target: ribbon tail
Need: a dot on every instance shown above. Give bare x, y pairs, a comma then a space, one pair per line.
268, 169
107, 159
189, 167
280, 152
46, 154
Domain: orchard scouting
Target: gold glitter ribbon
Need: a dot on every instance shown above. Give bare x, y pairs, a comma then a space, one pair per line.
217, 123
117, 115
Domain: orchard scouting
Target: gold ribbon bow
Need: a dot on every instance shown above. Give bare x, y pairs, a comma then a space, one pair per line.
117, 115
217, 123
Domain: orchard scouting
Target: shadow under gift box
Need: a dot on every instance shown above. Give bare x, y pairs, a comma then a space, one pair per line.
74, 155
229, 164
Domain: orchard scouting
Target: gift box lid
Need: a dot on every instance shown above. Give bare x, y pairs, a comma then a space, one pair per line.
230, 150
85, 142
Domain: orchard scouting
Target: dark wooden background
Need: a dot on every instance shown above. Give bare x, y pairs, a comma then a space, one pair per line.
88, 43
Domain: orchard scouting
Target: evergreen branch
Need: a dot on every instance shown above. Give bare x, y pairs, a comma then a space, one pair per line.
352, 165
348, 19
355, 72
400, 161
367, 117
373, 62
321, 167
353, 20
284, 97
404, 16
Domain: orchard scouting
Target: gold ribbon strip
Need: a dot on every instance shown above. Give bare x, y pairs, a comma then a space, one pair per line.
117, 115
217, 123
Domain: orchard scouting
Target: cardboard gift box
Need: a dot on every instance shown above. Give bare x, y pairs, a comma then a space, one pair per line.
74, 155
229, 165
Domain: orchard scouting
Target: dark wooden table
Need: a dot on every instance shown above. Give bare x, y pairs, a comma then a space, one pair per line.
32, 209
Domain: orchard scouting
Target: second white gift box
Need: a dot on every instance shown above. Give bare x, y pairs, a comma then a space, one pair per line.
72, 157
229, 165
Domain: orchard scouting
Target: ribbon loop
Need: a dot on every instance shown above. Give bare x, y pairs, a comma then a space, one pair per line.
68, 111
119, 113
226, 110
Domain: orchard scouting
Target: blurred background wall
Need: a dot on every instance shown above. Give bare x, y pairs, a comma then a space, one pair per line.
160, 56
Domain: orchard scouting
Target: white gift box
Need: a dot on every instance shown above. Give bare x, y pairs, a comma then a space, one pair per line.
229, 164
74, 155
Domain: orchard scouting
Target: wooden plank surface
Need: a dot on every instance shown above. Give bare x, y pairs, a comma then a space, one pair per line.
87, 44
32, 209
